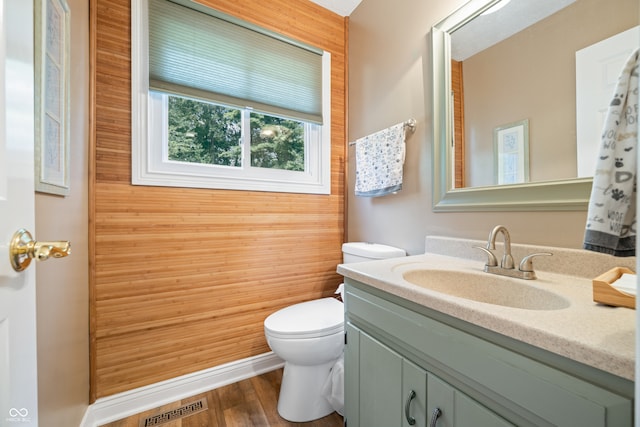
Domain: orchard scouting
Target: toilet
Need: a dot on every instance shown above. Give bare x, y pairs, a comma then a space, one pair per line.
309, 337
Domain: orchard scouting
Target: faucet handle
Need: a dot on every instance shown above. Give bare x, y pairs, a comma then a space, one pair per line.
527, 262
492, 261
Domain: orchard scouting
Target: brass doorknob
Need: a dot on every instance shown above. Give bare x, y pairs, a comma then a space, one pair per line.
23, 248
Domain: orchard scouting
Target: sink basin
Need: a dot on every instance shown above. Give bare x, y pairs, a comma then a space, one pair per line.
487, 288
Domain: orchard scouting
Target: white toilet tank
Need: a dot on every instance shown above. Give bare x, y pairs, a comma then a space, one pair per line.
364, 251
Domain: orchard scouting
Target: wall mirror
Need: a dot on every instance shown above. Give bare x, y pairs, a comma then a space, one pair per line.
542, 95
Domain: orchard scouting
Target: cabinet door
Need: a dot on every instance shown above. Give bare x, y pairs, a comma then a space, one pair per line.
457, 409
379, 385
414, 395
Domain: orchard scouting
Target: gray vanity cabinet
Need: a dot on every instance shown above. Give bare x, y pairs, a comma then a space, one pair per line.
381, 381
395, 347
389, 390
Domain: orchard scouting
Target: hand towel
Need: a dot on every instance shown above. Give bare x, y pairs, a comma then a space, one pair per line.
611, 218
380, 161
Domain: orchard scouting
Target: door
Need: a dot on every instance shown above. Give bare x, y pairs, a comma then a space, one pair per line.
597, 69
18, 378
414, 395
380, 384
382, 388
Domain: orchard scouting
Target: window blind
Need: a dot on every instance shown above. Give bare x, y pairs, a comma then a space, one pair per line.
197, 54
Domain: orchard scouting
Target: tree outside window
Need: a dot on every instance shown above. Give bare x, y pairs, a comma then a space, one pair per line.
206, 133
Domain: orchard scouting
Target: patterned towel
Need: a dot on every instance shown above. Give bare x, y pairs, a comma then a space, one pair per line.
379, 162
611, 219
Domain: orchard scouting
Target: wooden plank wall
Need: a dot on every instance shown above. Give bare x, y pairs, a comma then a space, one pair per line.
457, 87
182, 279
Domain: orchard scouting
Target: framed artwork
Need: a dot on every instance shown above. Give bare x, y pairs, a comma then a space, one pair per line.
52, 137
511, 153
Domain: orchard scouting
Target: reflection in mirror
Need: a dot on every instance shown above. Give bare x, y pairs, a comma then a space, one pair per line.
525, 70
525, 74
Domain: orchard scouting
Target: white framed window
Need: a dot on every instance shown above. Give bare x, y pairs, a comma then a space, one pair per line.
208, 118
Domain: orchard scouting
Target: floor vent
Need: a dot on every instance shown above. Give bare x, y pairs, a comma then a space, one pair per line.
175, 414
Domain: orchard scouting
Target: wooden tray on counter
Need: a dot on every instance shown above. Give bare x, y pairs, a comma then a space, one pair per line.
604, 293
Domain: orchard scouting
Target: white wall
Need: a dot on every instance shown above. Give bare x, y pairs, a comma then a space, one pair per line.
62, 291
389, 82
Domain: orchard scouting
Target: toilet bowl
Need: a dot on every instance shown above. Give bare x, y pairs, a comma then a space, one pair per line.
309, 337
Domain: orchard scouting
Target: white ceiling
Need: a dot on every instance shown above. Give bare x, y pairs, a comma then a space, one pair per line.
469, 40
341, 7
487, 30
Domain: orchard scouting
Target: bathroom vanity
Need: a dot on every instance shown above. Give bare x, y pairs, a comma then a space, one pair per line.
549, 356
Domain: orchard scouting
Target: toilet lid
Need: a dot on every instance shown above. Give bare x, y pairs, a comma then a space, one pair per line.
309, 319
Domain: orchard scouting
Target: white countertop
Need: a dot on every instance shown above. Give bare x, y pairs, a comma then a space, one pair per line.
596, 335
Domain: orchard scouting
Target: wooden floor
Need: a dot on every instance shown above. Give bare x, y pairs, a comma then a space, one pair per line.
248, 403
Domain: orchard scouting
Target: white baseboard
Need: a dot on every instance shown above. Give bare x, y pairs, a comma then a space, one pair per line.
122, 405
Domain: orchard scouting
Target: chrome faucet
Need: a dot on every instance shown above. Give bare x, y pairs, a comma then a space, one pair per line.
507, 259
506, 267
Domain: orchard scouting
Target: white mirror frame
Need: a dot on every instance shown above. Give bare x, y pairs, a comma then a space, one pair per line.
561, 195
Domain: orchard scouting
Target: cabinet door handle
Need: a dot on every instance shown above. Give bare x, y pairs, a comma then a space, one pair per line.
407, 407
434, 417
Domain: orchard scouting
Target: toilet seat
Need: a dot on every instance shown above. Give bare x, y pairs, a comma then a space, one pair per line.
309, 319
